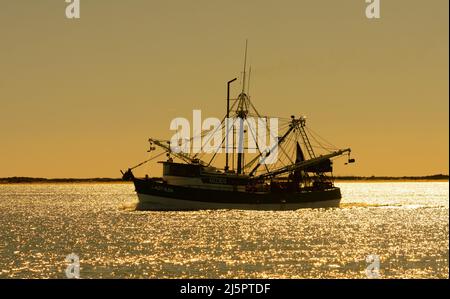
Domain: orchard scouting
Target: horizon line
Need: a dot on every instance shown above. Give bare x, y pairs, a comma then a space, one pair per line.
24, 179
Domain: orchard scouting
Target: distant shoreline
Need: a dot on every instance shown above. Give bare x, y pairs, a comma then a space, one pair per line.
436, 177
30, 180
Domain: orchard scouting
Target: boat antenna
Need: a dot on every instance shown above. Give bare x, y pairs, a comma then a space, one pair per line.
249, 76
245, 66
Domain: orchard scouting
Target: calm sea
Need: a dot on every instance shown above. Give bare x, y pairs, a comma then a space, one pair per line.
404, 225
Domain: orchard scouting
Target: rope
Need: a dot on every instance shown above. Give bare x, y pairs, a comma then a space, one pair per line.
148, 160
312, 133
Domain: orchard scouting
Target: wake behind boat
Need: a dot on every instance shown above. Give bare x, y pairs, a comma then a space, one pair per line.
275, 177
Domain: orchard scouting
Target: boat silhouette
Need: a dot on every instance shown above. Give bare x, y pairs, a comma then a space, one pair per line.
299, 178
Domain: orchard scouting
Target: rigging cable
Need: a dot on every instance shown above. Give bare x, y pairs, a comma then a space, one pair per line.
323, 139
148, 160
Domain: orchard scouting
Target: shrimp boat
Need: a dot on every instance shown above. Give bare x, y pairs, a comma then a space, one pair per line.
298, 177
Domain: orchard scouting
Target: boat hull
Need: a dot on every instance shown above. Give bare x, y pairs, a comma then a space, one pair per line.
158, 196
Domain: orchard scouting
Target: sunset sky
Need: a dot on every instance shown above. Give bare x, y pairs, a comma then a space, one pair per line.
79, 98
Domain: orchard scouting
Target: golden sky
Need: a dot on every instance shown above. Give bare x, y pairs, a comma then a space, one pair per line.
79, 98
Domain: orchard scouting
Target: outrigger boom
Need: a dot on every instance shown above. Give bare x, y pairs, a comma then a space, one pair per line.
304, 164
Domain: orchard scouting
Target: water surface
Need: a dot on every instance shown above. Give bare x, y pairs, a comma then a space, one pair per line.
405, 223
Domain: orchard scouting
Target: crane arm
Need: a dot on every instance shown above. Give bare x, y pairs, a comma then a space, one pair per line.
303, 164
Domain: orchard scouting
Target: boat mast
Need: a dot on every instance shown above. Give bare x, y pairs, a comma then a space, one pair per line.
242, 114
227, 123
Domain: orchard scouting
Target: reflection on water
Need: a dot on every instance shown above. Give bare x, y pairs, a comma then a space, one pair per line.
406, 224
